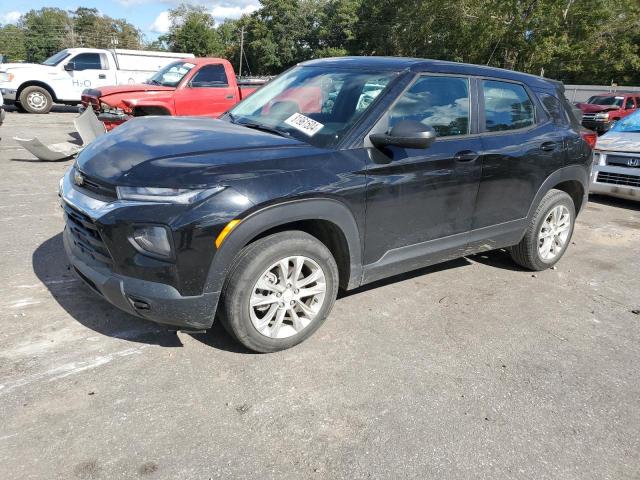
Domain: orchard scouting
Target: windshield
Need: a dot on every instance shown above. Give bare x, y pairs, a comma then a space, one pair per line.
629, 124
171, 75
609, 100
56, 59
317, 105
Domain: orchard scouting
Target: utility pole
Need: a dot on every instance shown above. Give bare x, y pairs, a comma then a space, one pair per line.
241, 51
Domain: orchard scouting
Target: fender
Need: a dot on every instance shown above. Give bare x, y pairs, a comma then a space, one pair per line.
273, 216
578, 173
156, 103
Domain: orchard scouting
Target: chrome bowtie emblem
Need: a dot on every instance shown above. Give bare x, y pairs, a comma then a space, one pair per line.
633, 162
78, 179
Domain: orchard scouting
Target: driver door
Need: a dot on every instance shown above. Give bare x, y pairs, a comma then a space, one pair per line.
90, 70
420, 202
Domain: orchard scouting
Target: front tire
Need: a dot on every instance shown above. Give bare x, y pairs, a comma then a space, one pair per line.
548, 234
280, 291
36, 100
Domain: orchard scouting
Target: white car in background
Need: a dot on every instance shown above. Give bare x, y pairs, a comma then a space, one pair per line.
616, 162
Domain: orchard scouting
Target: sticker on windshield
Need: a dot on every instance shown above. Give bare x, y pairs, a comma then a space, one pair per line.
306, 125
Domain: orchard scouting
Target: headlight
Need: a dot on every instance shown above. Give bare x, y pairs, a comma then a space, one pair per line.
602, 116
598, 158
153, 240
104, 108
6, 76
182, 196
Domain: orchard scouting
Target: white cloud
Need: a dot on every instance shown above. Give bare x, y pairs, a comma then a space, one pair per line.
220, 13
10, 17
161, 24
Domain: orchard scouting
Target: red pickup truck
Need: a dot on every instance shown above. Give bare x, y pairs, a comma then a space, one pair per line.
191, 86
600, 111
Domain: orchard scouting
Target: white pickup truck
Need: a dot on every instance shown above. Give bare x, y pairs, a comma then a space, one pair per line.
62, 77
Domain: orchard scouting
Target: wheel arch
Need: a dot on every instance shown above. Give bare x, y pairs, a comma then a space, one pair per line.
574, 180
328, 220
36, 83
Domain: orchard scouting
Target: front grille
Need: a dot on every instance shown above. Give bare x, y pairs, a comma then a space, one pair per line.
102, 190
588, 116
619, 179
622, 161
85, 236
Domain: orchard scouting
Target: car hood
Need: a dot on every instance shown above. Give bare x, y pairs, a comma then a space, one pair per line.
183, 152
591, 108
4, 66
129, 88
619, 142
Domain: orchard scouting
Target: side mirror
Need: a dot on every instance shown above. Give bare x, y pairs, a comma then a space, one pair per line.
70, 66
406, 134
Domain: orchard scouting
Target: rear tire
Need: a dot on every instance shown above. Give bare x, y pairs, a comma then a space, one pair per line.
36, 100
548, 234
279, 291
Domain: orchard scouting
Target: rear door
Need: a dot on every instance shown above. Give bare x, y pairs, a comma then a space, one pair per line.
521, 146
208, 92
420, 201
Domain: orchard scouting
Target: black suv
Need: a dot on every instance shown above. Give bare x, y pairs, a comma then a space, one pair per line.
337, 173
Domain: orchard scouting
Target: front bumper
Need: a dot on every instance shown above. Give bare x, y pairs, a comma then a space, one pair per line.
154, 301
617, 182
596, 125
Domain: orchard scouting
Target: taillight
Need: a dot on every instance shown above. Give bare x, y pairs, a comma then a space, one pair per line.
590, 137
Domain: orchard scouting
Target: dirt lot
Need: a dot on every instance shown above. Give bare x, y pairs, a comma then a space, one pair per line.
474, 369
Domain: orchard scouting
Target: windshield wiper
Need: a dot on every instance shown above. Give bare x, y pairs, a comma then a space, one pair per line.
264, 128
152, 82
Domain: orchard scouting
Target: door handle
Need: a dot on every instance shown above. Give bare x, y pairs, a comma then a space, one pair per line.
548, 146
465, 156
102, 76
229, 97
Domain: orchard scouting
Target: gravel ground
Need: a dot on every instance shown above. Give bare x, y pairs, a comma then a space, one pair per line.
471, 369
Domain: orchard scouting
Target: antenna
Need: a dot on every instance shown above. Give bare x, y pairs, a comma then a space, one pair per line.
241, 51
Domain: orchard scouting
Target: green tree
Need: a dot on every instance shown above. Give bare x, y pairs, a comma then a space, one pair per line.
46, 31
192, 31
12, 43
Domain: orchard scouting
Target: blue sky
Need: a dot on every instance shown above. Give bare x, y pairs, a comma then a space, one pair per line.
150, 16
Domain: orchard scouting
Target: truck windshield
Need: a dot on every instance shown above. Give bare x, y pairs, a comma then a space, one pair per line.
317, 105
629, 124
171, 75
608, 100
56, 59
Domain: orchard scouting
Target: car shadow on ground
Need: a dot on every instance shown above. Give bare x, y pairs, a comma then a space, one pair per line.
614, 202
88, 308
54, 109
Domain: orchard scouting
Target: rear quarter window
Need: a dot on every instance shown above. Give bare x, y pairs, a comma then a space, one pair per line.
554, 109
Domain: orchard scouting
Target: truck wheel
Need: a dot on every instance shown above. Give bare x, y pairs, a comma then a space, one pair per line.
36, 100
548, 233
279, 292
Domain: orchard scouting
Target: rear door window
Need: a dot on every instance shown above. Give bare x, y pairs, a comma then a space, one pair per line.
439, 101
629, 103
210, 76
507, 106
